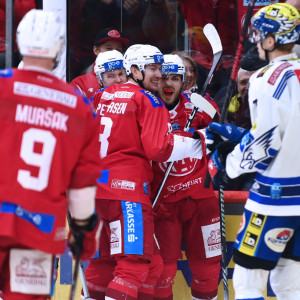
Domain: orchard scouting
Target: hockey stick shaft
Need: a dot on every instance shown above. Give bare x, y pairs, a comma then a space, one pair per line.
222, 120
237, 61
75, 278
217, 56
78, 269
85, 289
234, 71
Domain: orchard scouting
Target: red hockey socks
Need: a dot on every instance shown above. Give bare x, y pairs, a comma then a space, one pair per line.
119, 289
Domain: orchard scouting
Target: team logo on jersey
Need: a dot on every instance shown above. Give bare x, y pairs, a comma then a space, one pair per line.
250, 240
30, 271
212, 239
277, 238
181, 167
123, 184
257, 220
115, 237
258, 152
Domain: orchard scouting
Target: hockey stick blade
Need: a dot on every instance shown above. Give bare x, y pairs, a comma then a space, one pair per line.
204, 105
213, 37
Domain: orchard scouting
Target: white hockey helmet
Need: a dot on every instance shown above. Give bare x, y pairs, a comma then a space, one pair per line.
140, 55
40, 34
108, 61
173, 65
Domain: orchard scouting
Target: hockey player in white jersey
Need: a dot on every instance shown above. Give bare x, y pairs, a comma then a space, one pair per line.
268, 240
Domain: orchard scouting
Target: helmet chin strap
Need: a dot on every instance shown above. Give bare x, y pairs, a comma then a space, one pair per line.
139, 81
267, 51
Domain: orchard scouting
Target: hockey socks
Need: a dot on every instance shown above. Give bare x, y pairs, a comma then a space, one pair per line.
119, 289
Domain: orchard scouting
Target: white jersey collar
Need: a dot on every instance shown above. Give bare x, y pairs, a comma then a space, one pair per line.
285, 57
132, 82
39, 69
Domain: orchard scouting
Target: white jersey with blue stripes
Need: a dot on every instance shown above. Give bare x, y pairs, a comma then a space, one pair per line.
272, 146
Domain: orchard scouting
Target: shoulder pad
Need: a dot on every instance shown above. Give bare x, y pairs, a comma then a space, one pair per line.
6, 73
297, 72
89, 103
282, 83
187, 96
100, 90
263, 71
155, 101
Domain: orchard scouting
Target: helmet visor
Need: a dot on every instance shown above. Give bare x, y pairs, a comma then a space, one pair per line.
255, 36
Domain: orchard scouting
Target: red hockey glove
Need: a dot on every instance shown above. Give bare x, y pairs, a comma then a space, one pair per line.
84, 240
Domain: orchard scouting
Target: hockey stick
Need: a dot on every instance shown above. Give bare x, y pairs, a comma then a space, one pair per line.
75, 277
78, 269
215, 42
228, 97
85, 289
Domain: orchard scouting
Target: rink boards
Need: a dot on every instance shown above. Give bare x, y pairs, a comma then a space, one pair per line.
234, 204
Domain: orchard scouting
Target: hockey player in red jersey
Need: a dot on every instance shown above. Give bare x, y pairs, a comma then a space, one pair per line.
185, 210
49, 139
109, 69
106, 40
123, 193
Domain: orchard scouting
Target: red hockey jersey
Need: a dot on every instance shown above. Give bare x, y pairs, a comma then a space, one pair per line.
87, 84
187, 176
49, 138
134, 130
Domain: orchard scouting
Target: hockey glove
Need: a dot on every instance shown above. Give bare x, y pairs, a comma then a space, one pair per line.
216, 133
217, 163
83, 241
